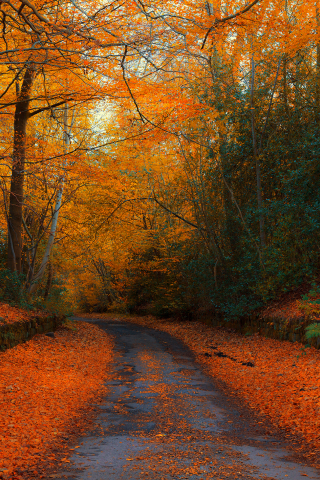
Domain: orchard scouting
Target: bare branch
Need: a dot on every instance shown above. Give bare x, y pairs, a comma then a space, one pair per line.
48, 108
127, 84
219, 21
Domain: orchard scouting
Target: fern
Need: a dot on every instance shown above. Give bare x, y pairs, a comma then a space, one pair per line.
313, 331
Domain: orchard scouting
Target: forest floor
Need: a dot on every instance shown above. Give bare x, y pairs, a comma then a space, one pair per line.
47, 388
50, 389
279, 380
290, 306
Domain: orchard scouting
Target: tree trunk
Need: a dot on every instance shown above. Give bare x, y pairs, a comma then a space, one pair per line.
18, 171
317, 86
232, 227
285, 86
49, 281
256, 157
54, 223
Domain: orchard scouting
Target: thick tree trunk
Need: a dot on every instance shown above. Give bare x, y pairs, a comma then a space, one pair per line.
18, 171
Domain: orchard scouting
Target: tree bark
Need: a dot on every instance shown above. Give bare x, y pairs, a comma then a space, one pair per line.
317, 86
49, 281
46, 257
285, 86
18, 171
256, 157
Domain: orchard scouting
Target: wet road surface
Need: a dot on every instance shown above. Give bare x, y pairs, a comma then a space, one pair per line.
165, 419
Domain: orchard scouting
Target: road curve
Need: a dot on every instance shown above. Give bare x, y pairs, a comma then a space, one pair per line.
164, 419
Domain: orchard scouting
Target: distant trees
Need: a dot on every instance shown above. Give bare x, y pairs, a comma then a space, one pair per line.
237, 189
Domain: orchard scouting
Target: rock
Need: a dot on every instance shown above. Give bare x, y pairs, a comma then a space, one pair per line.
248, 364
50, 334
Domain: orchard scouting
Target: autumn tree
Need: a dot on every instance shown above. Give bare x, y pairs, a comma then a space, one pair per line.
224, 123
43, 45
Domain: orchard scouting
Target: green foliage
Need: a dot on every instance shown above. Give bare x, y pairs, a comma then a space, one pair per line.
313, 292
220, 267
12, 289
310, 305
57, 301
13, 292
312, 331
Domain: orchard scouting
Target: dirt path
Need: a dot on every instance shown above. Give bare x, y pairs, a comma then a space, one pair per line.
165, 419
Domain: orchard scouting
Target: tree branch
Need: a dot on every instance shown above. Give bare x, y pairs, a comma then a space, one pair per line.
127, 84
218, 21
48, 108
177, 215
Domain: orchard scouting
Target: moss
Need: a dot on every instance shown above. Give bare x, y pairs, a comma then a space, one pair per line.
280, 329
20, 332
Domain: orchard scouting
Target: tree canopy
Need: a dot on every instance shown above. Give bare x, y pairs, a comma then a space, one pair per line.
159, 156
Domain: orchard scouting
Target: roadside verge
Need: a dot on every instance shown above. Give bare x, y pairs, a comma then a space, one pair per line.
48, 388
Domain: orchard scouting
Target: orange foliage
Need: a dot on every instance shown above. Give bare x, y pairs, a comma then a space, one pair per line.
137, 81
136, 78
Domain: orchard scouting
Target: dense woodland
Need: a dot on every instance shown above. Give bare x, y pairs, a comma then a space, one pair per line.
159, 156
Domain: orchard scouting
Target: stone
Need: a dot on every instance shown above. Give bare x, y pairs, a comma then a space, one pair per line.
50, 334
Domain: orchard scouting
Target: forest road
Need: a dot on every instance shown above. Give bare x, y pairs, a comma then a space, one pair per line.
165, 419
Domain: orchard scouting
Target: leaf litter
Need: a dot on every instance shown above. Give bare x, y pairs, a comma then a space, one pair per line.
47, 390
10, 314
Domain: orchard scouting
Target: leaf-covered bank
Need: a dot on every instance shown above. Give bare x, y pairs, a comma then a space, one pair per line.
47, 387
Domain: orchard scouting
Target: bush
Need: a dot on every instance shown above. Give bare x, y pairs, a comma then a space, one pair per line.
12, 288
